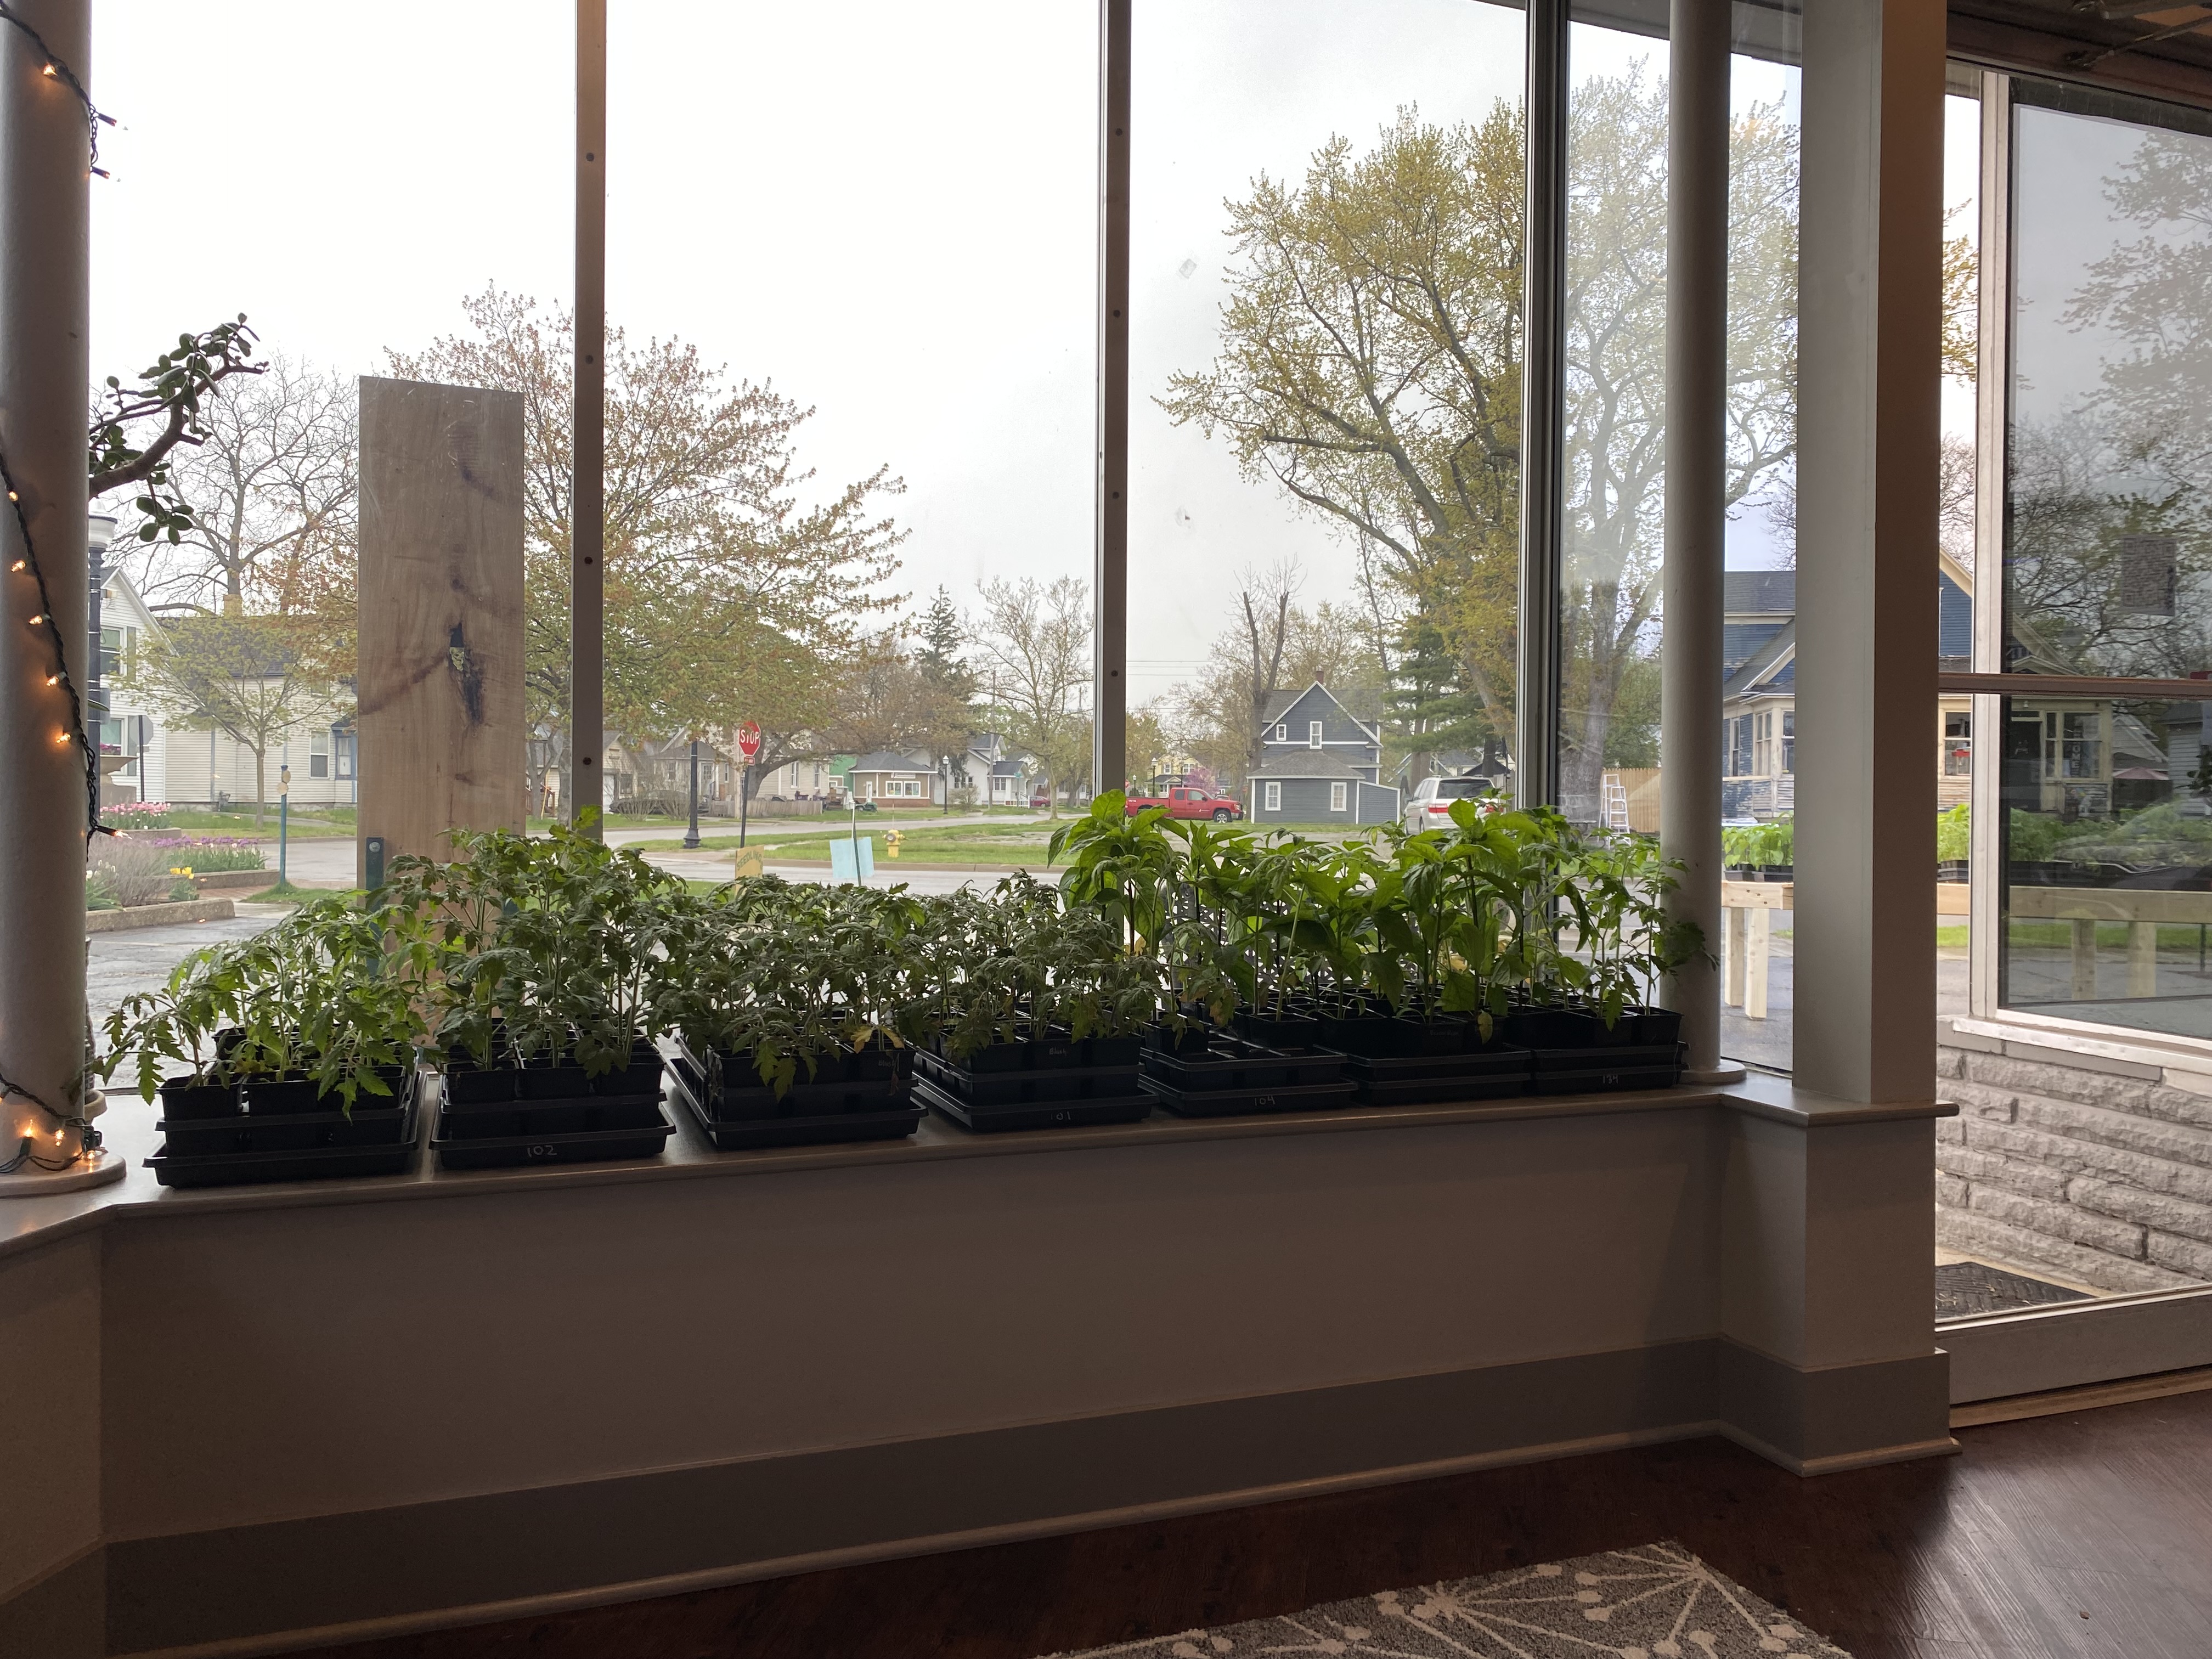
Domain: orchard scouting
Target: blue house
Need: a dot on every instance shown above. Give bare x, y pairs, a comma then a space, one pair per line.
1758, 698
1320, 761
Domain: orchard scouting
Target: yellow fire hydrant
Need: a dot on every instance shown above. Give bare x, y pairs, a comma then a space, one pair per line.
892, 844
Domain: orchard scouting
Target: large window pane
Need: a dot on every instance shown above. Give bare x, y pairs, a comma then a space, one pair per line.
346, 207
2107, 564
1324, 389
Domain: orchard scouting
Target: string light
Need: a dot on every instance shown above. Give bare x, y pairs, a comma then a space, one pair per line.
54, 68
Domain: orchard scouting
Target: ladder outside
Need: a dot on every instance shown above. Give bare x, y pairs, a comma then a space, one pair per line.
1616, 803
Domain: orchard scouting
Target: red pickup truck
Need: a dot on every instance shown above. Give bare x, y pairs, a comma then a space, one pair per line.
1183, 801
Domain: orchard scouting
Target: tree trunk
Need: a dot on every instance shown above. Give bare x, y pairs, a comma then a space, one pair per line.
260, 787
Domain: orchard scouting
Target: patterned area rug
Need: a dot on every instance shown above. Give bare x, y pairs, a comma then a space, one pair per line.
1657, 1602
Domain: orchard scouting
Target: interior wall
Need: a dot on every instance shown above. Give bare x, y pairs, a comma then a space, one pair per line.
269, 1365
49, 1393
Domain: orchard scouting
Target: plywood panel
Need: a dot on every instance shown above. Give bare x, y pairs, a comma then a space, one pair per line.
441, 683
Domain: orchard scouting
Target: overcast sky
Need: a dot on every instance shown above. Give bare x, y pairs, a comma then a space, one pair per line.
885, 209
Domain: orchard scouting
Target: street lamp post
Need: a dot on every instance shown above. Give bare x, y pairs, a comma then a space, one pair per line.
691, 835
283, 821
944, 763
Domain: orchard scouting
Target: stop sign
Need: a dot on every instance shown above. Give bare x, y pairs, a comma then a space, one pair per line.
749, 739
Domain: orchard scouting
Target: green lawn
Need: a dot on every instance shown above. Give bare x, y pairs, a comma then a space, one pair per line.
303, 826
1012, 847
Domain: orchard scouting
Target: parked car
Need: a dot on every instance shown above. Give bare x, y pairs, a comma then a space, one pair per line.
1189, 801
1431, 805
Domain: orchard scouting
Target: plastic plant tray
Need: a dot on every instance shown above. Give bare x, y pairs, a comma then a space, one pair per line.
1235, 1065
1055, 1053
866, 1097
980, 1118
395, 1155
1606, 1081
749, 1134
1242, 1103
592, 1145
995, 1089
1627, 1056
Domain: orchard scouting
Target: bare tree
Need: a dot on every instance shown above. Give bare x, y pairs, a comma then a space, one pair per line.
271, 483
1036, 650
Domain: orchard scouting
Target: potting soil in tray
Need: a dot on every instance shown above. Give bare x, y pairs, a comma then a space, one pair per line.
643, 1139
1596, 1071
1487, 1074
984, 1117
1233, 1078
393, 1151
891, 1118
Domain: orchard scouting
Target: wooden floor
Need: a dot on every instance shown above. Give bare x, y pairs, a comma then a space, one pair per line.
2082, 1536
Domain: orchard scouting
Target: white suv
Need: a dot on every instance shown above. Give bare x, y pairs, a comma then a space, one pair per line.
1430, 806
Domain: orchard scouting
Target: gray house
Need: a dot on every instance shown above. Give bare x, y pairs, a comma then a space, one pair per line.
1319, 762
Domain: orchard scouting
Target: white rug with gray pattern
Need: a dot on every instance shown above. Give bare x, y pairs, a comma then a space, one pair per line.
1658, 1601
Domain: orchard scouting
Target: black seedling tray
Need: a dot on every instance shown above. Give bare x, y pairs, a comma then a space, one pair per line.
993, 1089
591, 1146
1242, 1103
1055, 1052
1490, 1074
1232, 1064
395, 1154
984, 1118
873, 1088
892, 1121
1602, 1071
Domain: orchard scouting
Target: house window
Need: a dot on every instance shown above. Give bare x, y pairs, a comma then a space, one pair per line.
318, 753
1282, 732
1313, 734
1336, 793
342, 742
1274, 797
1788, 740
1958, 746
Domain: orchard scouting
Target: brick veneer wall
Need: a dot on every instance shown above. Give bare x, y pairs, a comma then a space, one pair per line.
2100, 1169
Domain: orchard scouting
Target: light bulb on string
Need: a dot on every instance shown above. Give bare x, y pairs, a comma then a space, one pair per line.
18, 565
38, 619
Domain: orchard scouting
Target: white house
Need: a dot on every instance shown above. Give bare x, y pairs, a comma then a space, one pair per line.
151, 751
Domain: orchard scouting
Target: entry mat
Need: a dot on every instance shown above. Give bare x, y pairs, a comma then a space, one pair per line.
1658, 1601
1964, 1289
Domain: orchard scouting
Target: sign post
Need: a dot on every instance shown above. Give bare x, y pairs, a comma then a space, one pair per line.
749, 742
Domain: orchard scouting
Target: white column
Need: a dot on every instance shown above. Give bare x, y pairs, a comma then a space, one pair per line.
45, 261
1869, 390
1697, 457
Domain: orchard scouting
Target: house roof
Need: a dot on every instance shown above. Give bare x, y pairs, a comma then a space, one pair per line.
1760, 593
1309, 764
1766, 668
1361, 705
883, 760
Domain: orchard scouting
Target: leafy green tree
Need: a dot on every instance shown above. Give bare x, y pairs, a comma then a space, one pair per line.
734, 589
1369, 365
1038, 654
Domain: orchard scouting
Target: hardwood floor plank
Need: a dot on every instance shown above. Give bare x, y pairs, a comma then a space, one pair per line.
1993, 1555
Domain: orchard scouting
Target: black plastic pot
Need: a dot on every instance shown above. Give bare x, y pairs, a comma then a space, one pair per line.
182, 1098
1052, 1097
642, 1076
886, 1117
729, 1088
304, 1147
1488, 1072
1396, 1036
1663, 1026
1236, 1078
1294, 1031
1191, 1040
469, 1085
1586, 1070
552, 1077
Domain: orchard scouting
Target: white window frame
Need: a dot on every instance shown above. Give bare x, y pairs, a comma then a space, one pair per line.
1336, 797
1273, 793
1282, 732
1313, 734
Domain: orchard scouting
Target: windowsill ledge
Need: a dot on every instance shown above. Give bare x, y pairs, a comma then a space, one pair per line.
2030, 1036
27, 1223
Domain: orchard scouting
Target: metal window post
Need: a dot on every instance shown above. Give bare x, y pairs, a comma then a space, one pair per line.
1696, 512
587, 492
1110, 699
1543, 407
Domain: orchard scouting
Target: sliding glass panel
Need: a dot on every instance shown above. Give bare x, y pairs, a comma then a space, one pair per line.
1324, 404
347, 206
2108, 561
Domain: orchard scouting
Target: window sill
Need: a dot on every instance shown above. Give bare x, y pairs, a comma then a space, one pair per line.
29, 1223
2035, 1036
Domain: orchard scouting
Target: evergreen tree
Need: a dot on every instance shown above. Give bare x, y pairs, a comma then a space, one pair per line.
1432, 707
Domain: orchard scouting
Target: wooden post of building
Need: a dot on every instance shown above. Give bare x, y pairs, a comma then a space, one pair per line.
440, 593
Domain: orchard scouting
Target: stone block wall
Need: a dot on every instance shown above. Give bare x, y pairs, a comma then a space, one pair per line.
2098, 1169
